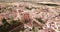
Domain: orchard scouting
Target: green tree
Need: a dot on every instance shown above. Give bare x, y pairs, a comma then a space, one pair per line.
6, 26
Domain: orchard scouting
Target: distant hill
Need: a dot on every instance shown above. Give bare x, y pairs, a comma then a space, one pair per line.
30, 0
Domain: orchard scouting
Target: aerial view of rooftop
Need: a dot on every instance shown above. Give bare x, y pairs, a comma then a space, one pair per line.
29, 15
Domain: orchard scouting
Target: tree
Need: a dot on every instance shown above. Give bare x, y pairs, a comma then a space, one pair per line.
5, 27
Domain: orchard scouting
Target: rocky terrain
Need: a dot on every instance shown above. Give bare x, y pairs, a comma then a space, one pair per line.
30, 17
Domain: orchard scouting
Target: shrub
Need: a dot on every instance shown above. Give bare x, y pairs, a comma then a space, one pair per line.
39, 19
15, 23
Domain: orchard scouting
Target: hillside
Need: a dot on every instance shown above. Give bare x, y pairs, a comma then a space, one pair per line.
29, 16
